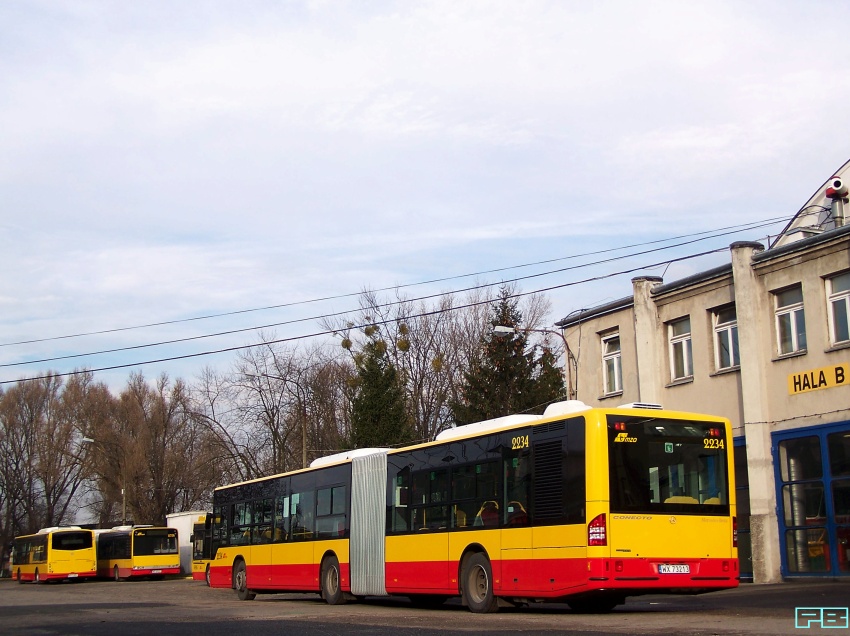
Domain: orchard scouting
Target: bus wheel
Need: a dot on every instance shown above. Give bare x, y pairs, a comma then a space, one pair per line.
207, 576
331, 590
37, 577
20, 580
115, 574
240, 582
477, 582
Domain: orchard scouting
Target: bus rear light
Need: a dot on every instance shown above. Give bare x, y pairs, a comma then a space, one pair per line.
618, 566
734, 532
597, 531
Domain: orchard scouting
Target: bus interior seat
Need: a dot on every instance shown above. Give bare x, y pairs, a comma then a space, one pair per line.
517, 514
712, 500
488, 515
460, 518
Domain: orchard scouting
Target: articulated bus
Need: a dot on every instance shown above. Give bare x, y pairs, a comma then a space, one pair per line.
128, 552
581, 505
54, 554
202, 547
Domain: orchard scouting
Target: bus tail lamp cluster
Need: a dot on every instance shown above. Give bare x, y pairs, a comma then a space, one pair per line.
597, 531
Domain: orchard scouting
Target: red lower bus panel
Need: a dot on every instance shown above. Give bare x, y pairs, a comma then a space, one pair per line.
556, 578
56, 577
127, 573
297, 577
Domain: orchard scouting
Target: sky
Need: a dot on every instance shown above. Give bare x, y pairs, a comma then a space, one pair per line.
161, 162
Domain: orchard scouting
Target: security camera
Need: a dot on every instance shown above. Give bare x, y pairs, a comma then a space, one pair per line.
837, 188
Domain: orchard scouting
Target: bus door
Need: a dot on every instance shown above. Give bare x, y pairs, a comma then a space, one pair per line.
261, 543
420, 559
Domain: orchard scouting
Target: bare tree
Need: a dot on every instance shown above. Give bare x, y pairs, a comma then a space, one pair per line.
153, 442
229, 447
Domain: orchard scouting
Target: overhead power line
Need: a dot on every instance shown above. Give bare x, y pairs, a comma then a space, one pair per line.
379, 322
384, 305
714, 234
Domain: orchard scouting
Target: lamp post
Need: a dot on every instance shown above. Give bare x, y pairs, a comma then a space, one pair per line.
503, 330
89, 440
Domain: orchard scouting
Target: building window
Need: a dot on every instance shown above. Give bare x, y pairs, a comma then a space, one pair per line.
838, 288
681, 355
726, 353
612, 364
790, 320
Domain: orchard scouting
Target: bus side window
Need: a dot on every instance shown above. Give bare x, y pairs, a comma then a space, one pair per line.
281, 519
302, 515
517, 486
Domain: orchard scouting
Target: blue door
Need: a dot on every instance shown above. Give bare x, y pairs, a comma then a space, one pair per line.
813, 493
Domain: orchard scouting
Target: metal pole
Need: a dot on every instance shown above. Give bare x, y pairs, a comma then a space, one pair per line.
303, 439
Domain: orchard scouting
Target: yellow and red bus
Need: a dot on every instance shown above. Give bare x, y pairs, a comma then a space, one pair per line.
581, 505
128, 552
54, 554
202, 547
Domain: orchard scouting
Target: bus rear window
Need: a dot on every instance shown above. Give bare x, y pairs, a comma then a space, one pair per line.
667, 466
148, 542
71, 541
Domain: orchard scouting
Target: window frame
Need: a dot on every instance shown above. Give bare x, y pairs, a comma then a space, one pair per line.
615, 358
833, 298
796, 313
686, 342
729, 328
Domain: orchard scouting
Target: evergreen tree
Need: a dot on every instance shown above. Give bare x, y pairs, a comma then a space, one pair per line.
379, 415
507, 377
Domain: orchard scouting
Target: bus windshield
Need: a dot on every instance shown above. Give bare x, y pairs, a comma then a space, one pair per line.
159, 541
661, 465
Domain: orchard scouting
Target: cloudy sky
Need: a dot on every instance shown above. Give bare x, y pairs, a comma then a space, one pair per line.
165, 161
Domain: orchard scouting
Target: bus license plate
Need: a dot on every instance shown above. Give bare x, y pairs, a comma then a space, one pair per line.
156, 571
674, 569
72, 575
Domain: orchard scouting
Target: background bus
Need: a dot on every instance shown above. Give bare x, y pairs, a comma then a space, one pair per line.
202, 547
581, 505
54, 554
184, 522
126, 552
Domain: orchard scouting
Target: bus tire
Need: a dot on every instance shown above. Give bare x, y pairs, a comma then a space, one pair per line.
240, 582
37, 578
331, 589
477, 585
207, 576
116, 576
20, 578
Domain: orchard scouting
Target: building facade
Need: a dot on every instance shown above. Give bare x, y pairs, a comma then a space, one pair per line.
765, 342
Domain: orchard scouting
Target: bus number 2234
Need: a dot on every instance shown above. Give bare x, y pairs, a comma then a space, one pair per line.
519, 442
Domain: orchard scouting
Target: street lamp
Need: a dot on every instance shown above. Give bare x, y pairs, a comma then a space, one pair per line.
89, 440
503, 330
